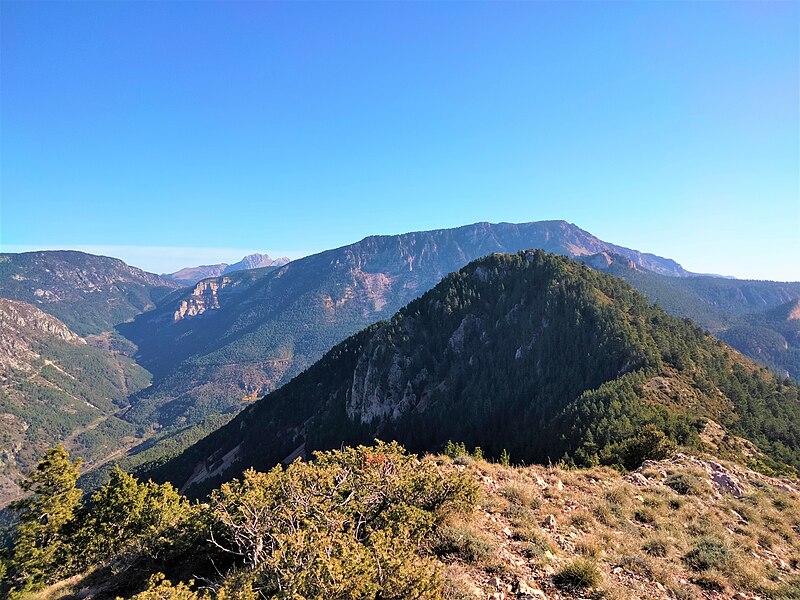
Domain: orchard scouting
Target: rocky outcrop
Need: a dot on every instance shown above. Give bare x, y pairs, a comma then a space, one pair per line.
204, 297
21, 325
191, 275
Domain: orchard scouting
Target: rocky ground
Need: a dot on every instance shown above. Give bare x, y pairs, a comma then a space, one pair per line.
687, 527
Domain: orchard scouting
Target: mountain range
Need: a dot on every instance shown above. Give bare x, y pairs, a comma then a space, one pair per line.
240, 335
535, 354
215, 346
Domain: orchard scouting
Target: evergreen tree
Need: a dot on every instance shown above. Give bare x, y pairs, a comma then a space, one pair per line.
41, 552
125, 513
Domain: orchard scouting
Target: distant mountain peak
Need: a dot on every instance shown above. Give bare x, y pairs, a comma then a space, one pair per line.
256, 261
192, 275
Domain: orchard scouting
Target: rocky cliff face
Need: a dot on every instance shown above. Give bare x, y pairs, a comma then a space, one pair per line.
204, 297
22, 325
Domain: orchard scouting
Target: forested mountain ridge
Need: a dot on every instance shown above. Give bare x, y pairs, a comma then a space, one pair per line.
244, 333
56, 388
761, 319
90, 294
530, 353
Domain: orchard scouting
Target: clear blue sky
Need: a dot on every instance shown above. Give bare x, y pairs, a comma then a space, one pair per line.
184, 132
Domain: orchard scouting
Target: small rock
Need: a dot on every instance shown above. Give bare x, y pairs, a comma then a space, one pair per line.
740, 596
639, 479
725, 480
559, 485
523, 587
507, 532
496, 583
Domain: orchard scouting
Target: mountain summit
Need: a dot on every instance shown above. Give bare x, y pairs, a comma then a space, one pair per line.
256, 261
191, 275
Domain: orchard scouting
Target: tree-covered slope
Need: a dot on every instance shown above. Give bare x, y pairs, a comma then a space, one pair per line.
531, 353
758, 318
772, 337
54, 387
89, 293
234, 337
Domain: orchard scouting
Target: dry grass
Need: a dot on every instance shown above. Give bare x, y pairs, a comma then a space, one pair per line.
672, 538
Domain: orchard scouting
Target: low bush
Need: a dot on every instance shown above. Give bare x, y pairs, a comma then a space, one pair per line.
686, 484
463, 541
579, 573
708, 554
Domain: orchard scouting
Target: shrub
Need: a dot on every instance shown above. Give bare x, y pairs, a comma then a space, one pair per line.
579, 573
708, 554
582, 519
649, 444
656, 546
160, 588
686, 484
637, 564
128, 514
349, 524
589, 547
644, 515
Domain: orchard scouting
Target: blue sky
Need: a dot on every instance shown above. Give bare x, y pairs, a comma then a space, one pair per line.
184, 132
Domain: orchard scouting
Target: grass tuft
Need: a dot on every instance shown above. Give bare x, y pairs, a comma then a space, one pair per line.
580, 573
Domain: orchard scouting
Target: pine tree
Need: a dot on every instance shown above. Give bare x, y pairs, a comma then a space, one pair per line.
128, 513
40, 553
504, 458
450, 449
